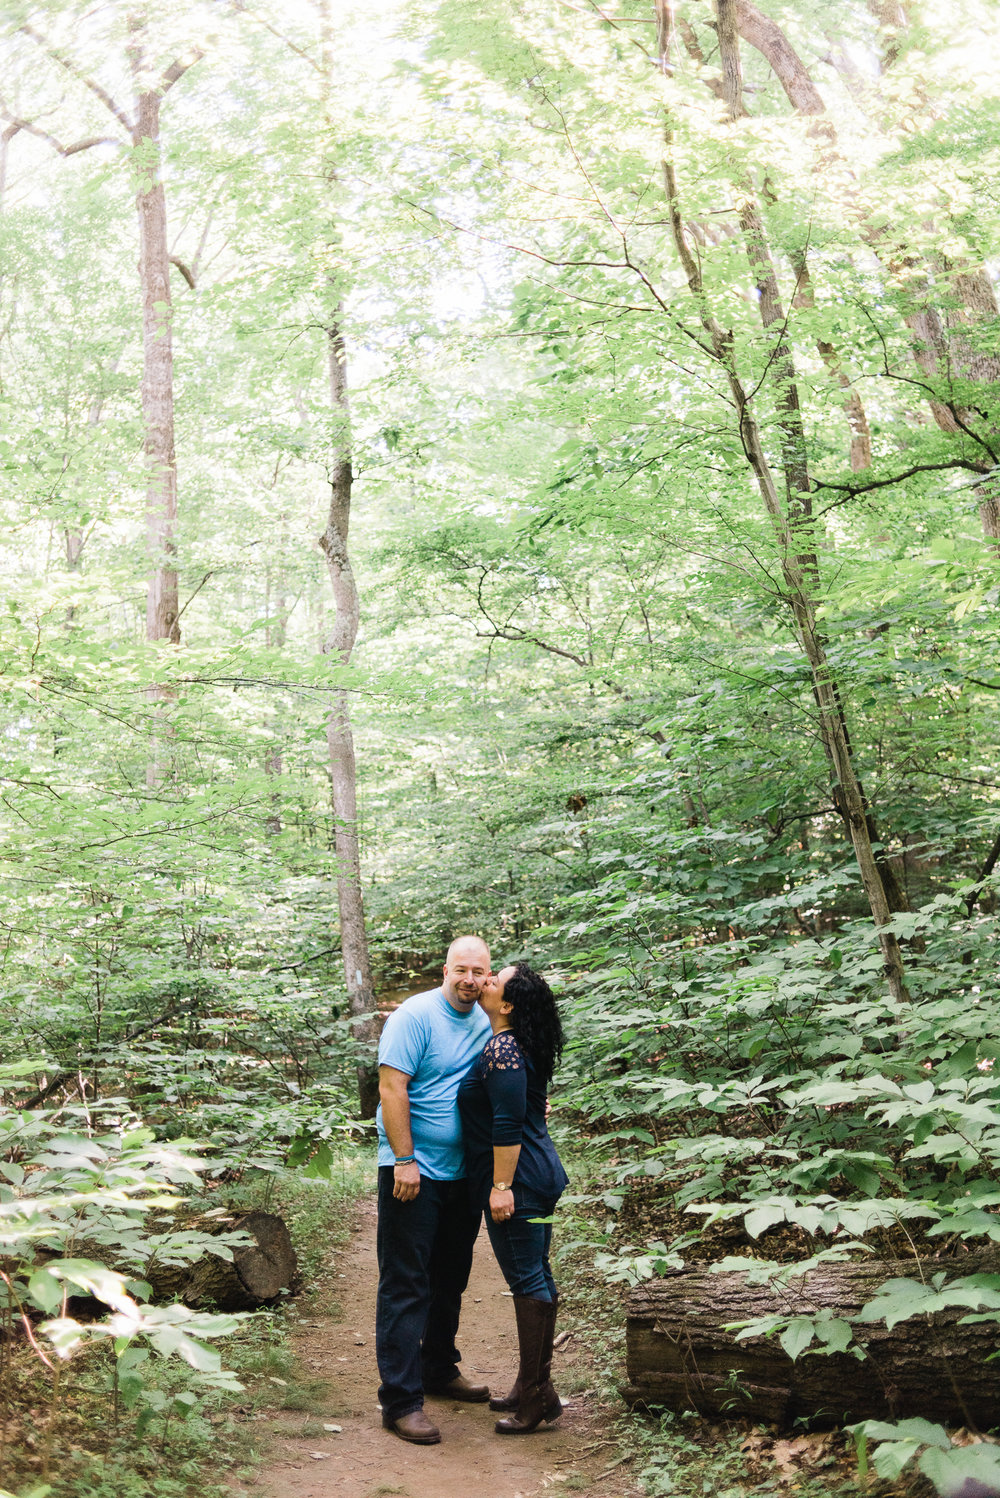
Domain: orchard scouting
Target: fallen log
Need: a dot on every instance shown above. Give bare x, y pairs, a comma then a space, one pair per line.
256, 1275
680, 1356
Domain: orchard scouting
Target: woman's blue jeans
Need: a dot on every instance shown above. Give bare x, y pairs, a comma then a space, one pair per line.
522, 1249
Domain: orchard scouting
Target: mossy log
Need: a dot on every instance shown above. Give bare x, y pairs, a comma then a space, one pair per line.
680, 1356
255, 1276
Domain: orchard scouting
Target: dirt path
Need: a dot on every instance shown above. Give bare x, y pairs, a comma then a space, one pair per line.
362, 1460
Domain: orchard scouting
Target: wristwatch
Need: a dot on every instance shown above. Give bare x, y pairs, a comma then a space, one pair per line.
500, 1186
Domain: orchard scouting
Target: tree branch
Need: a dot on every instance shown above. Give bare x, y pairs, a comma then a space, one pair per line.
16, 123
177, 69
767, 38
520, 638
244, 10
851, 491
198, 589
185, 272
91, 83
285, 967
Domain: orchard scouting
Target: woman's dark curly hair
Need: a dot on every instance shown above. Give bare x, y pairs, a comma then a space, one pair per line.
534, 1018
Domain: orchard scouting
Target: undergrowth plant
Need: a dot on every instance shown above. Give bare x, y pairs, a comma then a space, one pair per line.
83, 1190
774, 1084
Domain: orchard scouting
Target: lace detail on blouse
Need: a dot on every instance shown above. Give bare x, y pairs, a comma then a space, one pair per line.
502, 1053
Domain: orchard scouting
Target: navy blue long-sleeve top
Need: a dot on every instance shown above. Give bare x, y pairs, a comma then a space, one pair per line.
501, 1100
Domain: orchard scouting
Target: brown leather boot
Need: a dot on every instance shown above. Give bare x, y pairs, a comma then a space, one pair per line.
415, 1427
537, 1399
460, 1388
508, 1401
553, 1409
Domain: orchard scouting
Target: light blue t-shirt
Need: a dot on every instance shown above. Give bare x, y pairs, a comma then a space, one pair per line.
435, 1046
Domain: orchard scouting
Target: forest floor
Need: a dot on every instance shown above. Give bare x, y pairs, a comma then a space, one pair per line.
340, 1450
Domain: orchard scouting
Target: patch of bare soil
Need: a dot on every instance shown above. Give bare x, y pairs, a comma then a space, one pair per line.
361, 1460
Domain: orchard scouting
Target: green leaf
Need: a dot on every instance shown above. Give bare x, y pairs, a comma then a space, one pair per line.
45, 1291
758, 1219
892, 1457
836, 1334
862, 1176
797, 1335
320, 1167
896, 1300
949, 1470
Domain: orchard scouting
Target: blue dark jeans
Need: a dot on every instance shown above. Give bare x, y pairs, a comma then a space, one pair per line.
424, 1258
522, 1249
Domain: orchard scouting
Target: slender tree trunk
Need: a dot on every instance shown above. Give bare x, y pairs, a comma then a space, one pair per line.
162, 604
742, 21
143, 131
74, 535
789, 516
162, 607
276, 631
854, 410
339, 735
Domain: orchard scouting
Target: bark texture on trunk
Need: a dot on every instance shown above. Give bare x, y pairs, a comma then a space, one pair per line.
680, 1355
275, 638
339, 735
162, 606
340, 643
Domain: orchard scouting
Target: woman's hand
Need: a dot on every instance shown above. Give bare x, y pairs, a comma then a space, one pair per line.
501, 1204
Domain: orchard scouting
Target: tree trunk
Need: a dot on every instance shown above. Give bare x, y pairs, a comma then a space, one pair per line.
255, 1276
162, 608
680, 1355
854, 409
339, 737
276, 609
162, 605
790, 515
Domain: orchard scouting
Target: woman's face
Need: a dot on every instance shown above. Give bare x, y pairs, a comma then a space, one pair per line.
491, 999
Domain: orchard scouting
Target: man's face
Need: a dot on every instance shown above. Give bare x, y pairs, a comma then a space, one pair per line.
464, 975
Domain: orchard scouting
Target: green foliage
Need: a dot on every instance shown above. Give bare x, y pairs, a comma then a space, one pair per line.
586, 725
929, 1448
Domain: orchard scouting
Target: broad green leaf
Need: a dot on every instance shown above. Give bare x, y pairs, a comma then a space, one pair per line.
769, 1215
797, 1335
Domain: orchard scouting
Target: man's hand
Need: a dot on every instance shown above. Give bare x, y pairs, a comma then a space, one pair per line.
406, 1182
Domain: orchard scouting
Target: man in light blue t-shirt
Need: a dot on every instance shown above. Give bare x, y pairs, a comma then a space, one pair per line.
427, 1221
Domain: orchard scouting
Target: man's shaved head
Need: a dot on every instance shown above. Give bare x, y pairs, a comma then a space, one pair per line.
466, 969
475, 945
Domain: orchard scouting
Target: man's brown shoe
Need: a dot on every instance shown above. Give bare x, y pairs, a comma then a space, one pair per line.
415, 1427
460, 1388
